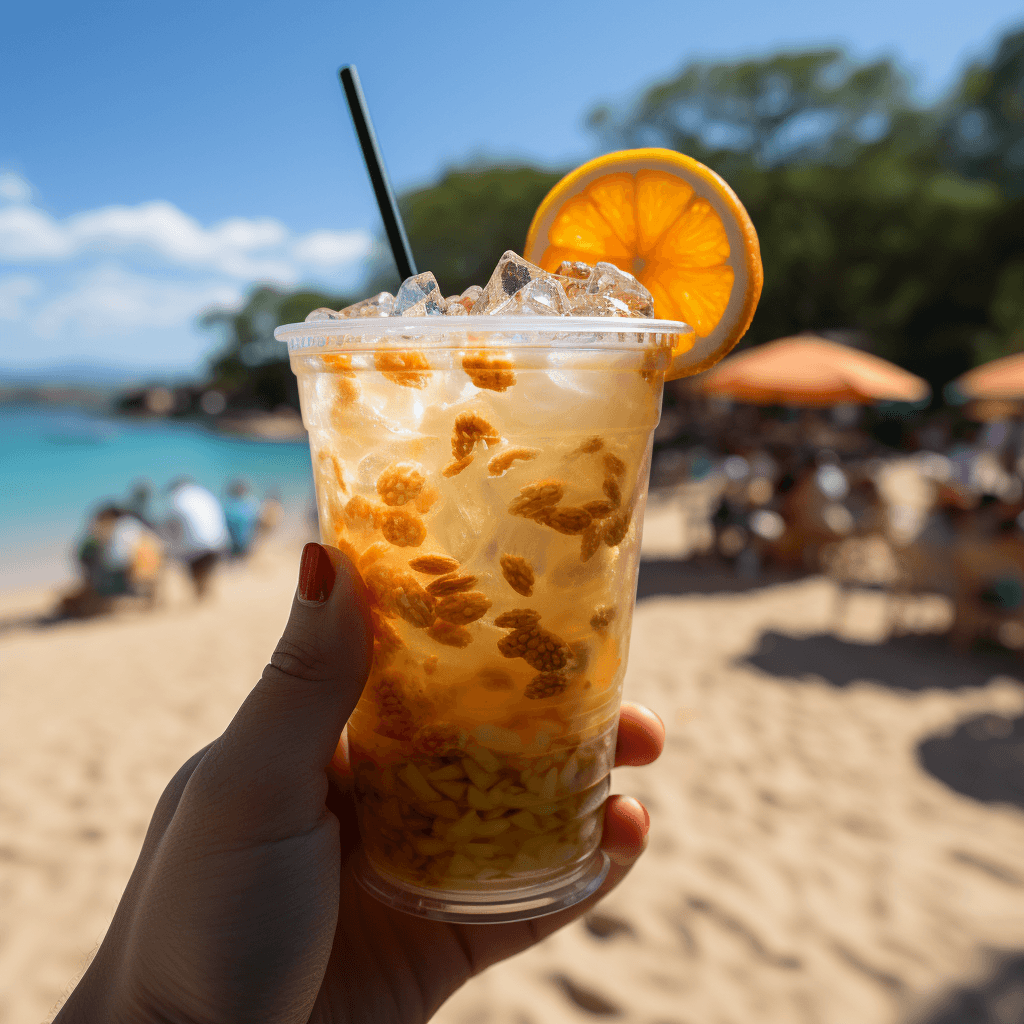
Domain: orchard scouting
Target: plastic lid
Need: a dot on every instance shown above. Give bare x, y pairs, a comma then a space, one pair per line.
514, 331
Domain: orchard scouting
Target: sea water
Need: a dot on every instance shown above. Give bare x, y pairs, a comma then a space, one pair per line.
58, 463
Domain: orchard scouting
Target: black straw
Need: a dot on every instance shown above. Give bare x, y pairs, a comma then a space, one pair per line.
378, 176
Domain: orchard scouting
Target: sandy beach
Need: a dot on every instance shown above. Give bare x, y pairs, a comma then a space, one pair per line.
837, 820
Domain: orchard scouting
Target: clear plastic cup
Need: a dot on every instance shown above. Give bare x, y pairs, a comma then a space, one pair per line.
487, 475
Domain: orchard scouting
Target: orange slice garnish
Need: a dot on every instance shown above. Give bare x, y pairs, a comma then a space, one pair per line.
673, 224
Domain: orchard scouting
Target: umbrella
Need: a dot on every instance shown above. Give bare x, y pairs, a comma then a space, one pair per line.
810, 371
1001, 378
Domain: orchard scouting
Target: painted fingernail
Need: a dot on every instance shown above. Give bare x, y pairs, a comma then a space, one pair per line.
647, 819
316, 575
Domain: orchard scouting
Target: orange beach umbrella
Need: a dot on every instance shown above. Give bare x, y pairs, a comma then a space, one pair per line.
1001, 378
810, 371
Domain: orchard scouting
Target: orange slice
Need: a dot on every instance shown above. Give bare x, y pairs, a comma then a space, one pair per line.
672, 223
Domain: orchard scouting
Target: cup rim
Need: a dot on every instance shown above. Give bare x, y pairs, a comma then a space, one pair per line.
515, 331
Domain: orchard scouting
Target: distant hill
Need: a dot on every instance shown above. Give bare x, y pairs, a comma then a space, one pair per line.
99, 376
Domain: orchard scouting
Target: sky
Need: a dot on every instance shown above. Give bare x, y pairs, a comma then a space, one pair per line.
158, 159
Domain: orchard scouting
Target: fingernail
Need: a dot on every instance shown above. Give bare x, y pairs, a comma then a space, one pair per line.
316, 575
647, 819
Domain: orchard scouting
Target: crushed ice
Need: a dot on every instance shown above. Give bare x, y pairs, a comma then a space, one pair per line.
516, 288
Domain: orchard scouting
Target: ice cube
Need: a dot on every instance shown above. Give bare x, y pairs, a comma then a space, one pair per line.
467, 300
454, 306
510, 275
543, 296
599, 305
323, 313
419, 296
574, 277
380, 304
610, 282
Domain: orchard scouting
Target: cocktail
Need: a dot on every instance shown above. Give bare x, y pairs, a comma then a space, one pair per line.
482, 459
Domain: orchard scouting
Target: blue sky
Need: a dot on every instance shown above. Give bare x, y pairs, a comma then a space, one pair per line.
157, 158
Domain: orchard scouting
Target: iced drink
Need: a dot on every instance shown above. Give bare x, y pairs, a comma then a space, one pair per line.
487, 475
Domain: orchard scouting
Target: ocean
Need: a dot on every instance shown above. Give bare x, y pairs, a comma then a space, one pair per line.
57, 464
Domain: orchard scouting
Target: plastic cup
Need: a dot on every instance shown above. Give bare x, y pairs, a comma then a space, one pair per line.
487, 476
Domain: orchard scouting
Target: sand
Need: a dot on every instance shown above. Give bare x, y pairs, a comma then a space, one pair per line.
837, 830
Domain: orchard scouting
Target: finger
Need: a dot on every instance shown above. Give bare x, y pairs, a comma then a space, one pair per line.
626, 823
273, 754
641, 736
168, 803
624, 839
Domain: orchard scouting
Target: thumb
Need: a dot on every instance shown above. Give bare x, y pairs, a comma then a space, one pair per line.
278, 745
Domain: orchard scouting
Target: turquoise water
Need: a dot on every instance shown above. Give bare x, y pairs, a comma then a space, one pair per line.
57, 464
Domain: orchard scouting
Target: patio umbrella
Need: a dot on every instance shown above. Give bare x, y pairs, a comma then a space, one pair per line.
810, 371
999, 379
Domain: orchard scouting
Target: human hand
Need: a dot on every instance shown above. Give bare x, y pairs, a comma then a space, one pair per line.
243, 905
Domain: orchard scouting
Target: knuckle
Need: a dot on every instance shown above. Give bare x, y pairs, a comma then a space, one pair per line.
298, 657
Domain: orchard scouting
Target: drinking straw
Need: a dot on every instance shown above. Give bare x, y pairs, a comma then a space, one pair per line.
378, 176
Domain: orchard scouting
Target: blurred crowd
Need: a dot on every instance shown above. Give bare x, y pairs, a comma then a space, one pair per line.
815, 491
127, 544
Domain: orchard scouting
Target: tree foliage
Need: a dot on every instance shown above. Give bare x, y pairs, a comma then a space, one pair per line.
252, 368
895, 224
459, 227
984, 132
868, 219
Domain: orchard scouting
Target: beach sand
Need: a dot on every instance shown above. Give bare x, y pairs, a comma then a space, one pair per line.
837, 823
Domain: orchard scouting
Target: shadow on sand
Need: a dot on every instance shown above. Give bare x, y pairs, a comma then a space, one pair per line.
902, 663
983, 759
12, 623
999, 999
673, 576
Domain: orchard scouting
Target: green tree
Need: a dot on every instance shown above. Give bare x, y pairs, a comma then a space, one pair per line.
252, 368
864, 223
984, 132
459, 227
875, 216
743, 119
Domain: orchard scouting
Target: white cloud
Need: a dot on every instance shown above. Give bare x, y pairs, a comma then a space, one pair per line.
14, 188
115, 278
14, 290
28, 235
331, 248
112, 301
259, 249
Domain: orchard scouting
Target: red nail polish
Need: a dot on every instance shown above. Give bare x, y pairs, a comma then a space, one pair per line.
647, 818
316, 575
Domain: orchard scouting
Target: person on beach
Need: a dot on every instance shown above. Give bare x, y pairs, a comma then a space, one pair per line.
139, 502
196, 531
119, 557
242, 513
271, 514
243, 905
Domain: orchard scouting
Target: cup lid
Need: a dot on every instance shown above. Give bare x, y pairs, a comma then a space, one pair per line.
513, 331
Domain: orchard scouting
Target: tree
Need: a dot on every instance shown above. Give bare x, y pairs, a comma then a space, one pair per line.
865, 224
984, 131
878, 218
252, 368
459, 227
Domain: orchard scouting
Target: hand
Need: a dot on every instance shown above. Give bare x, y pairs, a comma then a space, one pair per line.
243, 905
